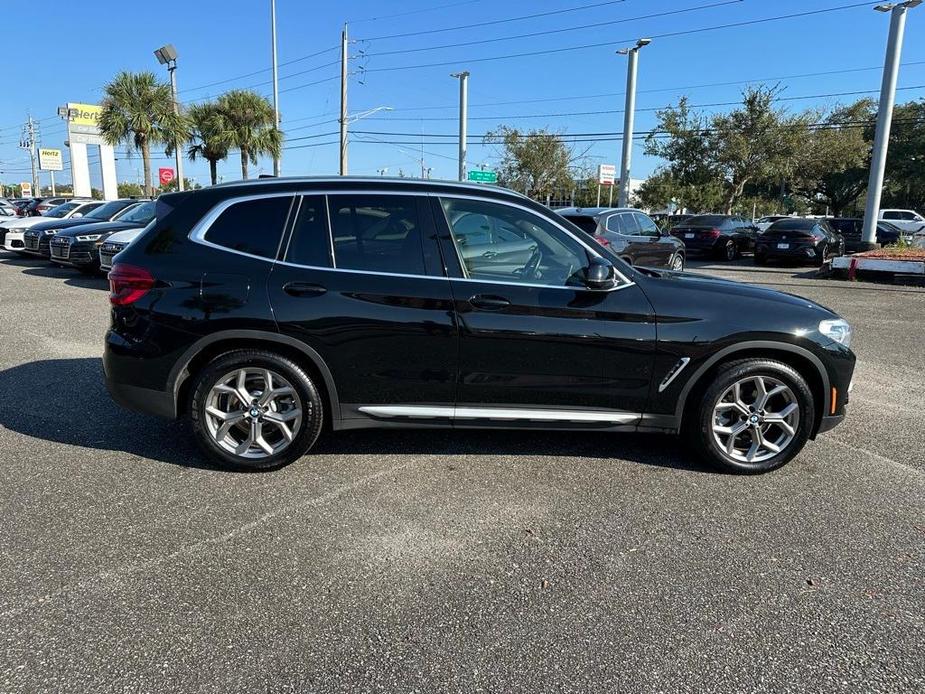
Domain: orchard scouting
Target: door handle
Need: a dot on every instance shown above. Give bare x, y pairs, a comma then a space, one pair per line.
489, 302
303, 289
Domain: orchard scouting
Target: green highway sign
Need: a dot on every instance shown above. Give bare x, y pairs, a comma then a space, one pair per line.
484, 176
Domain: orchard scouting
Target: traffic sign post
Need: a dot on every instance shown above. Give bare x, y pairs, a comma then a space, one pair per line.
165, 175
483, 176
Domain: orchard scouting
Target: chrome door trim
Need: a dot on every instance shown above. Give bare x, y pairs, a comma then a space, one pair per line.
499, 413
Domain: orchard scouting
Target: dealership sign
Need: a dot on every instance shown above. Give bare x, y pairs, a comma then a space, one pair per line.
50, 160
165, 175
606, 174
83, 123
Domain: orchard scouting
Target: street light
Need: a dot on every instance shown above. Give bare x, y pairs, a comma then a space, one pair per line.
894, 46
167, 55
463, 78
628, 115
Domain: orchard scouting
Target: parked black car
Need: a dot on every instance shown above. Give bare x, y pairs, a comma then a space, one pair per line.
630, 234
80, 246
268, 310
38, 238
720, 235
851, 229
800, 239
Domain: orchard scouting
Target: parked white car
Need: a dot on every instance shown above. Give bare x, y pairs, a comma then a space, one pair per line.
11, 233
907, 220
116, 243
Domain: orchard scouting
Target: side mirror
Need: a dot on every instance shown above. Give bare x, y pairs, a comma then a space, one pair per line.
600, 274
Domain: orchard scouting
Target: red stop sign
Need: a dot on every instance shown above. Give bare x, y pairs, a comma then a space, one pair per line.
165, 175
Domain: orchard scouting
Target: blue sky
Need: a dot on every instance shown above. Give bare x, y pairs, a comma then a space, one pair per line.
224, 40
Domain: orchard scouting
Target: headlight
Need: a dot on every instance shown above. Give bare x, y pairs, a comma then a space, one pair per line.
837, 329
89, 237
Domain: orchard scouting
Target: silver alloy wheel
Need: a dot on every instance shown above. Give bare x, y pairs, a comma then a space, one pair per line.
730, 250
253, 413
756, 418
677, 262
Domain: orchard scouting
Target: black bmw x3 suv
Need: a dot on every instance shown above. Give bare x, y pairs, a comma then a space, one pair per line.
267, 311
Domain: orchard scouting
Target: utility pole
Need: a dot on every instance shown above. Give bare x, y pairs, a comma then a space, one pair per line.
463, 78
628, 115
343, 102
276, 160
28, 142
167, 55
884, 116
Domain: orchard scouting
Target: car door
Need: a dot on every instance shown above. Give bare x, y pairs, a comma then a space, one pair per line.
370, 297
635, 245
538, 339
658, 249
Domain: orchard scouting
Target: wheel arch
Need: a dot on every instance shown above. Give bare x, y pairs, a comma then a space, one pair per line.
801, 359
211, 346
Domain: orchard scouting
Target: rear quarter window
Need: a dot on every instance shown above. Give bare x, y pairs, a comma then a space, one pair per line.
251, 226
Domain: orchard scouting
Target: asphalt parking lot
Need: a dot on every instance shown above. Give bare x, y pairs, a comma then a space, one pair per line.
455, 561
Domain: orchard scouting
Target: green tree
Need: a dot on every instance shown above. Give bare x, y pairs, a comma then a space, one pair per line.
904, 184
206, 142
188, 184
246, 121
833, 165
139, 111
537, 163
129, 190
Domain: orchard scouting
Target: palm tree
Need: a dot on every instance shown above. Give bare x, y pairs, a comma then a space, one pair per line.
206, 143
247, 122
138, 110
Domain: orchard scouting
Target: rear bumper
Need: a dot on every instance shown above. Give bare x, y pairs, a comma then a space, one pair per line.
144, 400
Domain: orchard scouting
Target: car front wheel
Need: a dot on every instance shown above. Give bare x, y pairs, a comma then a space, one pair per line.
755, 416
677, 262
253, 409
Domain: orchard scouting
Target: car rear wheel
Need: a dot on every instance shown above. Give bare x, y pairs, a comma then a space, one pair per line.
729, 250
677, 262
755, 417
823, 253
253, 409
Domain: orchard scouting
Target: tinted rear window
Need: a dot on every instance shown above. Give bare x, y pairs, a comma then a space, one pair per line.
793, 225
310, 242
252, 226
583, 222
706, 220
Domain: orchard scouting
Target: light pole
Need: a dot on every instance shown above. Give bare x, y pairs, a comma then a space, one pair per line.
167, 55
628, 114
463, 78
343, 101
884, 116
276, 160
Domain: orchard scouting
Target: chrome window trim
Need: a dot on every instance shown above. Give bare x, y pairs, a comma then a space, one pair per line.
199, 230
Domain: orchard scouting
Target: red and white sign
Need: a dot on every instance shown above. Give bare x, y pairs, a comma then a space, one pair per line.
165, 175
606, 174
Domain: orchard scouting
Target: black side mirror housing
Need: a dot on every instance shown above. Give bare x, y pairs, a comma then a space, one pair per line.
600, 274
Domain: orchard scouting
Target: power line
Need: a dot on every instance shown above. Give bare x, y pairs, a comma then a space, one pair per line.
672, 34
557, 31
258, 72
496, 21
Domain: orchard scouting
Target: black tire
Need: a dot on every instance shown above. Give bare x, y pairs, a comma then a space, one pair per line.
309, 399
676, 263
728, 250
823, 254
699, 419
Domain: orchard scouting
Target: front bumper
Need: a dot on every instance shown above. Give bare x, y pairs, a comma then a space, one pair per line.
12, 240
77, 253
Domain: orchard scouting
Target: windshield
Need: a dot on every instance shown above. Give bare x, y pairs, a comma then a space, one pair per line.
705, 220
106, 211
139, 214
61, 210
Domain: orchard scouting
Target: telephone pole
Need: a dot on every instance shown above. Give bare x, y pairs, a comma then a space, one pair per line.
343, 101
463, 78
28, 142
628, 115
894, 47
276, 160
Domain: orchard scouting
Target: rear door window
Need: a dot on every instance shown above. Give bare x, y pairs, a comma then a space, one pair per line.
378, 233
310, 243
646, 226
252, 226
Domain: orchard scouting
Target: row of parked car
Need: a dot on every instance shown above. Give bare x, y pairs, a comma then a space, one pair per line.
81, 233
638, 239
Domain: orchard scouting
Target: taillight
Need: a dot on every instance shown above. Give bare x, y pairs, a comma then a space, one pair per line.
714, 233
128, 283
601, 240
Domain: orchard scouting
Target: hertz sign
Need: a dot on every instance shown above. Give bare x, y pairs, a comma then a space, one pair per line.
83, 123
